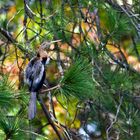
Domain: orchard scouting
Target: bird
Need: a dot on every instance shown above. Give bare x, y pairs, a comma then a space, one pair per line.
34, 76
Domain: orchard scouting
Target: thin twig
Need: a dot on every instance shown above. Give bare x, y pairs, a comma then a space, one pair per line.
115, 119
50, 89
31, 132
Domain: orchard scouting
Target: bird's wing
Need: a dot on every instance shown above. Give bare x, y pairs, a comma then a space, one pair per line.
34, 74
28, 78
27, 75
37, 72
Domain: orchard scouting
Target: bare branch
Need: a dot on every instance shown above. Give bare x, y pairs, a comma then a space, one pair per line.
48, 116
115, 119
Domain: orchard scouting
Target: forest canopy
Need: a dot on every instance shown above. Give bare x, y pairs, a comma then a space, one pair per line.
91, 88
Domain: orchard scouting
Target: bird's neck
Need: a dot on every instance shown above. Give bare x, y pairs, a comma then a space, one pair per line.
43, 60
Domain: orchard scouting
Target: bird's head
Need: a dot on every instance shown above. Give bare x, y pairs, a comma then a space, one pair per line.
42, 53
43, 56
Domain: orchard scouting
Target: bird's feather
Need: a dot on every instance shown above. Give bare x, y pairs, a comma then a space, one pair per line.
34, 76
32, 106
34, 73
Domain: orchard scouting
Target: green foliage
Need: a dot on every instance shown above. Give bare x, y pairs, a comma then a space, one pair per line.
128, 120
6, 93
98, 86
117, 25
22, 96
11, 104
12, 126
118, 80
77, 80
9, 98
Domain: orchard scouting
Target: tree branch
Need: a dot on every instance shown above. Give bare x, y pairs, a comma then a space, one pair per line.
11, 39
115, 119
47, 114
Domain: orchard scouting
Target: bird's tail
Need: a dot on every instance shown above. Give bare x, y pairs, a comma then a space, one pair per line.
32, 106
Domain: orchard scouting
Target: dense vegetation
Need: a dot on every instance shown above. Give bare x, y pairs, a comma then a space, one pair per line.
92, 88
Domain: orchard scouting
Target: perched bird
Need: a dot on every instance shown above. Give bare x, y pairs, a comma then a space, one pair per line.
34, 77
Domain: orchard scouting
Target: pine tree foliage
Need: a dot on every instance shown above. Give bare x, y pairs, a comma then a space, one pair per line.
6, 93
12, 127
116, 24
95, 69
77, 80
10, 124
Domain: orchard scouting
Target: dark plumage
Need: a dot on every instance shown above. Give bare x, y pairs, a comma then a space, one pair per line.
34, 77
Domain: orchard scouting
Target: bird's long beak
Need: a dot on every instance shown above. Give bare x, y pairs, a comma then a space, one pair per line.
47, 44
55, 41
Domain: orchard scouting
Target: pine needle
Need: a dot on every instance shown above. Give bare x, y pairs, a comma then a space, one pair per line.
77, 80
